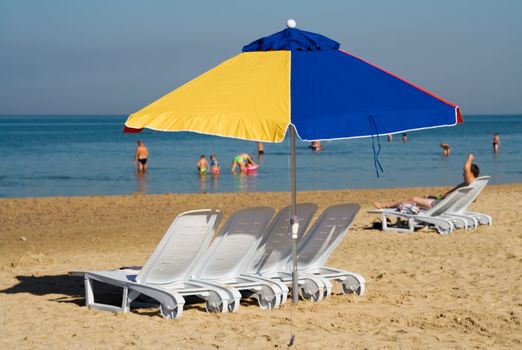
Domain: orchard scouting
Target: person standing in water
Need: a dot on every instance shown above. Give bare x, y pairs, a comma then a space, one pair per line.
260, 148
242, 161
140, 156
496, 142
202, 165
316, 146
446, 150
404, 138
214, 164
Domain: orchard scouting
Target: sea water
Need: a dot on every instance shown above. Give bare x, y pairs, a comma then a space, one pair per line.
90, 155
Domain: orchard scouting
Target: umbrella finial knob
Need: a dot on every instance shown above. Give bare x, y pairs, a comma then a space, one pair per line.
291, 23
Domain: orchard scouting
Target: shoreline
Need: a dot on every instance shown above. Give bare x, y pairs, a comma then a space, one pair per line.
423, 290
137, 194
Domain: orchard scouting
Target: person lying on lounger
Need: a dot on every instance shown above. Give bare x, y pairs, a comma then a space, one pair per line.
471, 172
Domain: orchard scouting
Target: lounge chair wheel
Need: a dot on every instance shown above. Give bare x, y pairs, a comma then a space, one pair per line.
352, 285
443, 231
232, 306
214, 303
266, 298
167, 313
311, 291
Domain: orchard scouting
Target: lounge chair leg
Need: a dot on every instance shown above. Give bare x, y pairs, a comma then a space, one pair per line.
234, 301
483, 219
384, 223
354, 284
268, 297
312, 289
385, 227
89, 295
215, 303
284, 294
445, 230
171, 314
279, 287
125, 303
220, 298
328, 288
171, 303
411, 225
92, 304
128, 297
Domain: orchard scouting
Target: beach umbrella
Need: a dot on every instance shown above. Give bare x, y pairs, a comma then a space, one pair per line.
303, 82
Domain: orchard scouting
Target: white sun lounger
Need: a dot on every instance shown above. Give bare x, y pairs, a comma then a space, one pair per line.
460, 208
431, 217
275, 250
164, 277
319, 243
450, 213
232, 252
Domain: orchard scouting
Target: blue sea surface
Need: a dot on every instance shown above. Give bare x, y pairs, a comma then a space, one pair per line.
90, 155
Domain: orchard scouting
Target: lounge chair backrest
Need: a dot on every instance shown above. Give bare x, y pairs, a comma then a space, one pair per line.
325, 235
235, 245
184, 242
276, 247
447, 202
476, 188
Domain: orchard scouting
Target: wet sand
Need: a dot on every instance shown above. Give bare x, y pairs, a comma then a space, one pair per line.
423, 290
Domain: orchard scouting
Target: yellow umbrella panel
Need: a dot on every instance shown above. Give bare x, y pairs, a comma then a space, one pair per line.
246, 97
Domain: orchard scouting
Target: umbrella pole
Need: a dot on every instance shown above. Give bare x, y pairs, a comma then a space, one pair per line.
294, 223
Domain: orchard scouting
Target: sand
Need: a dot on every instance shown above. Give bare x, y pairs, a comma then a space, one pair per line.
423, 290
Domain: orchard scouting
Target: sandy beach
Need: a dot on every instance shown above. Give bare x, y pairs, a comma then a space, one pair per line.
423, 291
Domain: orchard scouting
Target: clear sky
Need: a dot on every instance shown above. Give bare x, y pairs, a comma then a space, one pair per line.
116, 56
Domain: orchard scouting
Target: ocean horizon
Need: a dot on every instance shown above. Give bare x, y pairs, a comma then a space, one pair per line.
76, 155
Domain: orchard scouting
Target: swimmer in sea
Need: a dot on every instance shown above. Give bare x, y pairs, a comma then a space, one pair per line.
242, 161
496, 142
202, 165
446, 150
214, 164
260, 148
316, 146
140, 156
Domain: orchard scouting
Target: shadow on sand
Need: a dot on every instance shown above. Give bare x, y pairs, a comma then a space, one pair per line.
70, 289
63, 288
